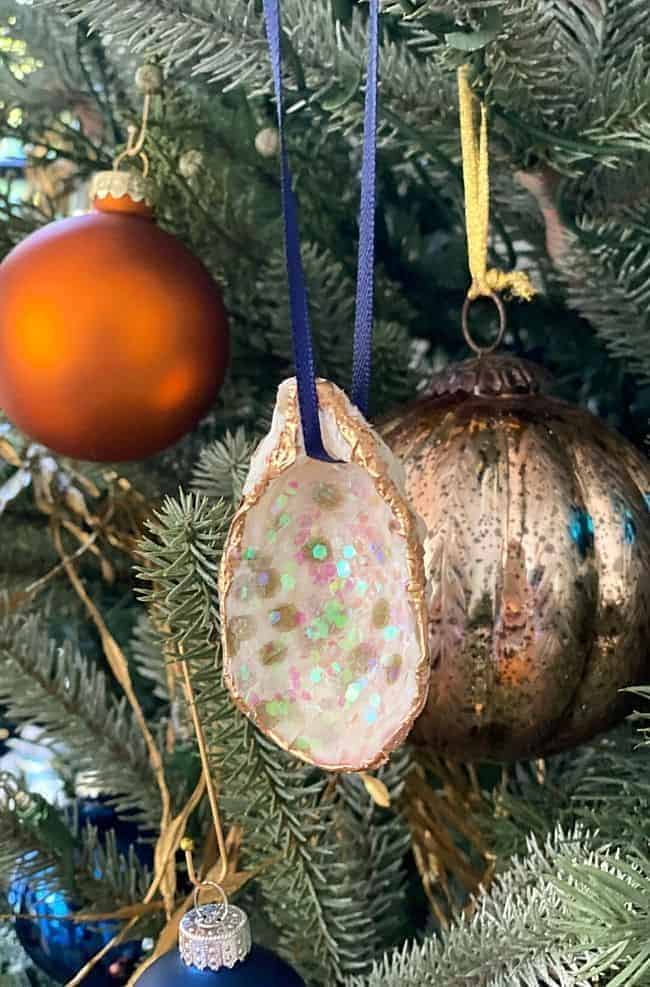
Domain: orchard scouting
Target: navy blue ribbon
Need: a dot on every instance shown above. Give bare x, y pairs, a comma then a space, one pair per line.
300, 325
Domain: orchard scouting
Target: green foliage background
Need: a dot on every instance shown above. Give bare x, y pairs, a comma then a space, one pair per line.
568, 87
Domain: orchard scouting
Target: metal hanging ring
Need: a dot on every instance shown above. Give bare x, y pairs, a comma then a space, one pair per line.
128, 154
503, 322
201, 920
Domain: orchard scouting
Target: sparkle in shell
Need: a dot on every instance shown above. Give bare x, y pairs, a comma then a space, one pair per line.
322, 592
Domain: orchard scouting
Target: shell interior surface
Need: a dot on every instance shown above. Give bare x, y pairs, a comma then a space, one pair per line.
322, 593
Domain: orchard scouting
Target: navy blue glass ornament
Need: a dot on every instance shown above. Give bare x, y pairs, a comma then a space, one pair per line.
99, 813
215, 949
59, 946
261, 968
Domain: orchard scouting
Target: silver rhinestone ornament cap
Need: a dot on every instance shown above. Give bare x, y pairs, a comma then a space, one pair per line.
214, 936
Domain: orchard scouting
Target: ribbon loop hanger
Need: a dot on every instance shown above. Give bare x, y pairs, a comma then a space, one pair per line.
486, 282
299, 307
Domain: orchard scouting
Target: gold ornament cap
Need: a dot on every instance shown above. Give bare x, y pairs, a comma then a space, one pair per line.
214, 936
110, 190
494, 376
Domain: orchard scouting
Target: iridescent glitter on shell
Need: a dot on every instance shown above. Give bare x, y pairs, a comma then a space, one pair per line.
333, 666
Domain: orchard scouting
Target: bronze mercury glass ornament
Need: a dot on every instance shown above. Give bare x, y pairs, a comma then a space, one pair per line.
538, 556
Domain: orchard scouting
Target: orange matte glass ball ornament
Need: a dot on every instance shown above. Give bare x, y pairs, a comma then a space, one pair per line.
113, 336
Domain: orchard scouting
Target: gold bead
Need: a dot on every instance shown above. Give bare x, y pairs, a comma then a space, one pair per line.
149, 78
267, 142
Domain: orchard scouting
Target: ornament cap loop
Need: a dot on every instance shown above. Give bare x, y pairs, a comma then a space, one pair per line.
224, 901
216, 935
503, 322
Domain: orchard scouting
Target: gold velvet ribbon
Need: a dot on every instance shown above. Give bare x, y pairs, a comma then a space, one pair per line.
476, 176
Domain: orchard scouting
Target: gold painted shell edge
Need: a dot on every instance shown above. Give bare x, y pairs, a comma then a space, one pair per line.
363, 446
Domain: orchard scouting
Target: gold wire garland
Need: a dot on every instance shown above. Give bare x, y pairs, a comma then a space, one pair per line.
172, 829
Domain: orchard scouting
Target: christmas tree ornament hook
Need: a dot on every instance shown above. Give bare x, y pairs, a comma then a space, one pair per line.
136, 140
486, 282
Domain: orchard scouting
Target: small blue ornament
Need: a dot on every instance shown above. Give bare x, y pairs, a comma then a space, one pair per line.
215, 950
59, 946
261, 968
98, 812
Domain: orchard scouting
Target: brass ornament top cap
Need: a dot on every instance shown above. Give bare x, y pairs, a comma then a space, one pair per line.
492, 375
117, 184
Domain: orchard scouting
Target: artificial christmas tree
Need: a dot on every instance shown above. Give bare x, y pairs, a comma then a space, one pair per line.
110, 632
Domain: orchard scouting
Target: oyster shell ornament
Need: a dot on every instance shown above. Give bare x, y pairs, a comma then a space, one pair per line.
322, 592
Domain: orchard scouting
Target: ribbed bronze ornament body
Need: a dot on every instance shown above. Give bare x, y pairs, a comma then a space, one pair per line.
538, 555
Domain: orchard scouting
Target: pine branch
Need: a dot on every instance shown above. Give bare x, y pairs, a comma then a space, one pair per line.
608, 282
535, 68
105, 876
317, 852
69, 699
529, 67
603, 786
548, 921
223, 466
30, 836
39, 841
331, 295
396, 366
331, 298
228, 45
608, 910
383, 840
182, 554
149, 658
